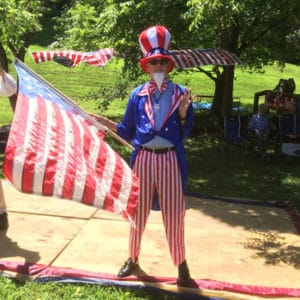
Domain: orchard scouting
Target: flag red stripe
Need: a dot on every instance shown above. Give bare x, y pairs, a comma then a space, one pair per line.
72, 159
89, 188
161, 36
115, 187
34, 142
16, 140
58, 129
35, 57
49, 56
94, 177
90, 183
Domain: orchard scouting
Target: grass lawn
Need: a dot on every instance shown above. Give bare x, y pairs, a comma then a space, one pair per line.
18, 290
245, 178
211, 171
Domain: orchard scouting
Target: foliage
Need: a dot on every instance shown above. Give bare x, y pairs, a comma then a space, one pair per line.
120, 89
116, 24
293, 45
256, 31
81, 28
20, 21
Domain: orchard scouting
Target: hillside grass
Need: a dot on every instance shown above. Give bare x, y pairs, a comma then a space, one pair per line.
211, 172
77, 83
206, 164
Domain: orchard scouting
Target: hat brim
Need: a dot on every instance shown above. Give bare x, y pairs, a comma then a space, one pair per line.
145, 60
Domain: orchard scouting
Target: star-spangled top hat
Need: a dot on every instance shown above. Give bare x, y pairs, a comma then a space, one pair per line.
154, 42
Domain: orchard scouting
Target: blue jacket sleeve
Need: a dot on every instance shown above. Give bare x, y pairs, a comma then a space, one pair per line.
127, 128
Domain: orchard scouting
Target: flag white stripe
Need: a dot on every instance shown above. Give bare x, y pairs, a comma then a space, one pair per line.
81, 170
110, 165
95, 149
121, 203
21, 152
40, 165
63, 156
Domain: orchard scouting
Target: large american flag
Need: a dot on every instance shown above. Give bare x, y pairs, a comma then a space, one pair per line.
56, 149
183, 59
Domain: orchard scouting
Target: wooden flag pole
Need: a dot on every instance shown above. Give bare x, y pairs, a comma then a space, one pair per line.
110, 131
117, 137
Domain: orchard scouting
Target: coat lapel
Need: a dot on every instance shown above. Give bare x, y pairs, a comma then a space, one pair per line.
147, 106
146, 91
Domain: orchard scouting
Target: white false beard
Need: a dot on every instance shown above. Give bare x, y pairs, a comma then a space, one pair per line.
159, 78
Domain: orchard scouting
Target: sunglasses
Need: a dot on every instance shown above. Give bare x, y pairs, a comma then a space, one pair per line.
162, 61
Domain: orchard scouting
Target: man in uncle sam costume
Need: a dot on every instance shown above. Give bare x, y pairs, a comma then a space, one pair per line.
158, 117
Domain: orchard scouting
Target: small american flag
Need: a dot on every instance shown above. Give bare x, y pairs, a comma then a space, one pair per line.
56, 149
97, 58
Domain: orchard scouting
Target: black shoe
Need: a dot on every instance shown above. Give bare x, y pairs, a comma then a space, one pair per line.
3, 221
183, 274
128, 268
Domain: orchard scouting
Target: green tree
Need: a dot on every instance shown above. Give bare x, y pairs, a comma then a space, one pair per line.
19, 21
89, 25
259, 32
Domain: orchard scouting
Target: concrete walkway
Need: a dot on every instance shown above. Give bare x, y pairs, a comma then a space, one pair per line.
234, 243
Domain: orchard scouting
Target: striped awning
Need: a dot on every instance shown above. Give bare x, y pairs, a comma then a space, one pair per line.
190, 58
185, 58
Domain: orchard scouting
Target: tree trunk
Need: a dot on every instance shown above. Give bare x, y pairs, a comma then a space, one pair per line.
227, 100
222, 102
3, 58
218, 96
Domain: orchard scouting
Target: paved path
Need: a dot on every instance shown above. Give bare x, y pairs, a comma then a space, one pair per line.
234, 243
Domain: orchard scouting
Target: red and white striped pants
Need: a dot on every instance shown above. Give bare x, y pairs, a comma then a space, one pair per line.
160, 172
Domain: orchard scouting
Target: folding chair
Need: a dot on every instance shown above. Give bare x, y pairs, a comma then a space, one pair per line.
232, 133
232, 129
287, 127
289, 137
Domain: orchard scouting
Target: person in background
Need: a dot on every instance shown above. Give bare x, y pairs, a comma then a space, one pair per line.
259, 129
158, 117
8, 88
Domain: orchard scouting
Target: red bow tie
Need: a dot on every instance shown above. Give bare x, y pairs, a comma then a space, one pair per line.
154, 88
